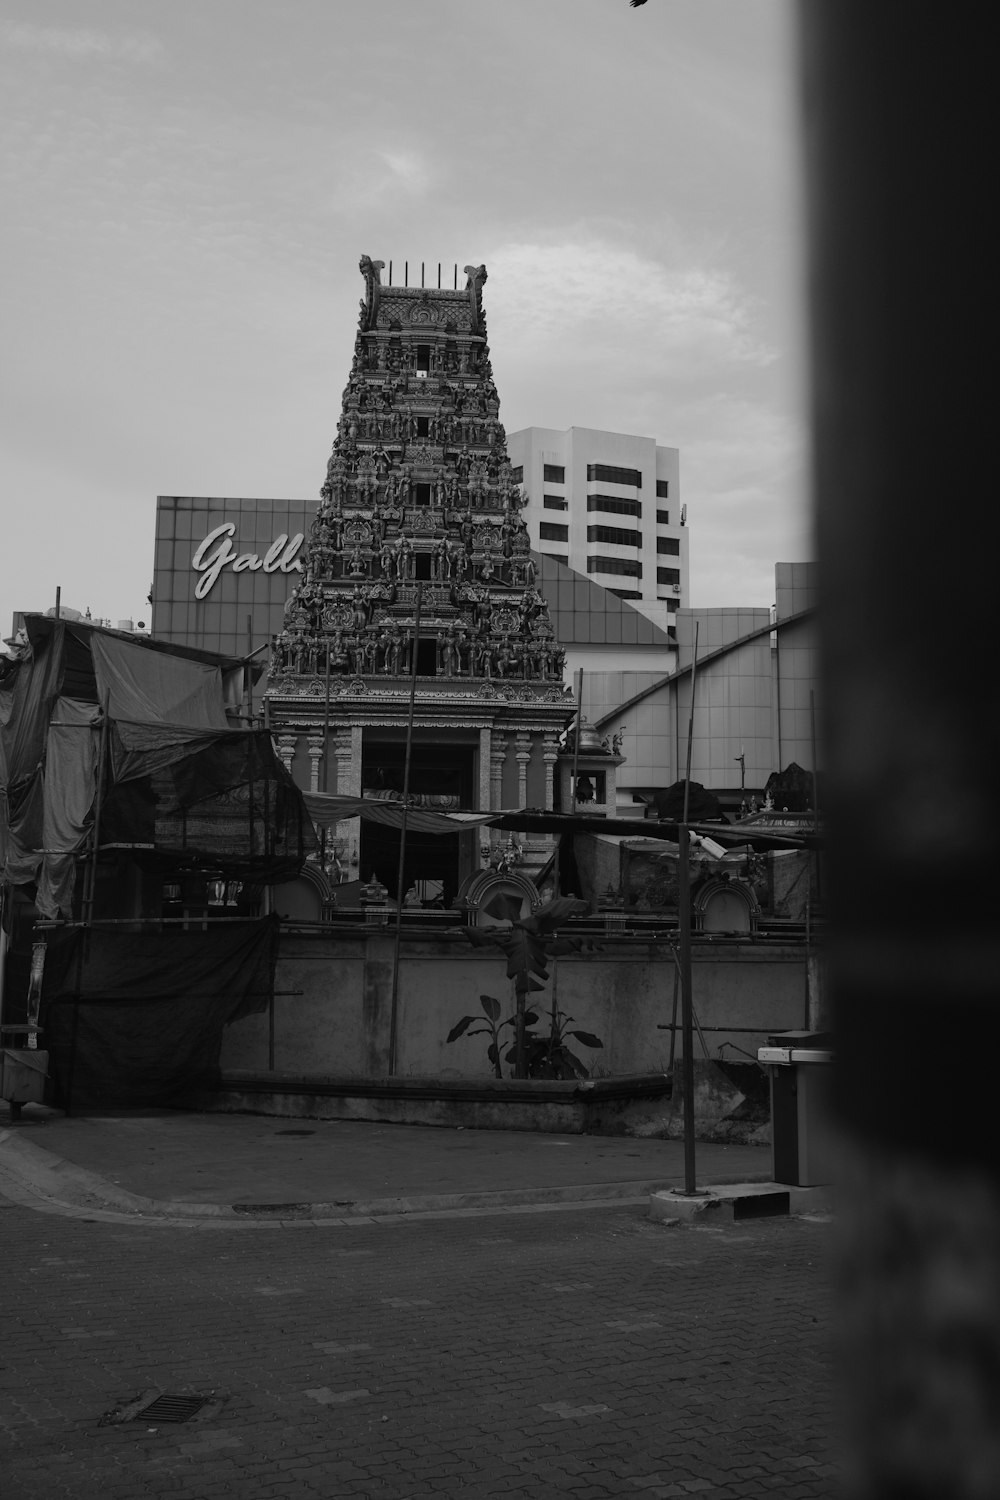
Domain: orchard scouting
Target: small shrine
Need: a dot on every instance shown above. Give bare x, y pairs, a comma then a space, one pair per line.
419, 582
588, 768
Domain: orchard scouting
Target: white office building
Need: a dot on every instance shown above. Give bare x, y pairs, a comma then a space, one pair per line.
608, 505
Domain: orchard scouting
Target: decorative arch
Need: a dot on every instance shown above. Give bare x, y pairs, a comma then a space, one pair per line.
725, 905
492, 898
308, 895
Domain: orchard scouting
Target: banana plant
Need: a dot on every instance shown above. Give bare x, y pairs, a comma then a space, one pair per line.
529, 945
491, 1026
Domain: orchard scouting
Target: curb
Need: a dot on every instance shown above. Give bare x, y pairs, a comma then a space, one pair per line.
729, 1202
51, 1177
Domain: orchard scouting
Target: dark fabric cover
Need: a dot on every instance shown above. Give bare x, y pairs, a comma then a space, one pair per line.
29, 697
136, 1018
221, 802
703, 805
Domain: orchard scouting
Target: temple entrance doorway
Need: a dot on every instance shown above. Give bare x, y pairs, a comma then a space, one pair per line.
443, 777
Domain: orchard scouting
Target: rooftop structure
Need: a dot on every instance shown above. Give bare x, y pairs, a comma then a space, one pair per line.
607, 504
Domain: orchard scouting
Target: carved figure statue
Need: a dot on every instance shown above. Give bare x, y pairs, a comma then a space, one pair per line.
371, 270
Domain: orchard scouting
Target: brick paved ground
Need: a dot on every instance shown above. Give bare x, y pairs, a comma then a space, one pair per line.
586, 1353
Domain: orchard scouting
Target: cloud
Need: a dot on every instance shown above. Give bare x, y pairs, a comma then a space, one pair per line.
75, 41
408, 168
603, 300
744, 479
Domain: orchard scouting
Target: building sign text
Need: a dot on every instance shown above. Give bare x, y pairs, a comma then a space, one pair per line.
280, 557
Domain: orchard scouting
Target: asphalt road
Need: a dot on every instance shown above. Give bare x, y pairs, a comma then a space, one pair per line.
560, 1350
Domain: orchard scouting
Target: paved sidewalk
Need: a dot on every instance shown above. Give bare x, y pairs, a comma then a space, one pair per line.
214, 1164
567, 1352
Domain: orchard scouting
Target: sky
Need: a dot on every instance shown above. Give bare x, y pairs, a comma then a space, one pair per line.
188, 188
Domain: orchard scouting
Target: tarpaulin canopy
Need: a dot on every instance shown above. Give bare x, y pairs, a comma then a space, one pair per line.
180, 785
650, 828
326, 809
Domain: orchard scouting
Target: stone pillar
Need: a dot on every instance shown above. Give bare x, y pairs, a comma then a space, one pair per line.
286, 749
523, 755
344, 756
550, 755
498, 754
353, 788
348, 753
485, 754
315, 757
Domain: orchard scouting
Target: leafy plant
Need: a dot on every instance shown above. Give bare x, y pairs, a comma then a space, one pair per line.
548, 1056
529, 945
492, 1028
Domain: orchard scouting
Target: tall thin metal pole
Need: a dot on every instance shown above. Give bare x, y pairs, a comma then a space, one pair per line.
87, 910
90, 882
684, 902
249, 671
812, 732
579, 726
326, 724
4, 917
394, 1008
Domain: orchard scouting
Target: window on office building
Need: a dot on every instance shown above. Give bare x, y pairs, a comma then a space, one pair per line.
623, 566
554, 474
554, 502
673, 605
550, 532
662, 489
663, 518
626, 593
668, 575
609, 474
558, 557
614, 506
614, 534
517, 473
668, 544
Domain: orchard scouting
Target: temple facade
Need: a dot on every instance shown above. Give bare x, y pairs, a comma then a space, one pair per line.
418, 582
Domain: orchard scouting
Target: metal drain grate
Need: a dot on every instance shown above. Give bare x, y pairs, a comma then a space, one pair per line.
761, 1206
171, 1409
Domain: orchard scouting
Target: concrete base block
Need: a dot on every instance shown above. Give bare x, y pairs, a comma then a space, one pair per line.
730, 1202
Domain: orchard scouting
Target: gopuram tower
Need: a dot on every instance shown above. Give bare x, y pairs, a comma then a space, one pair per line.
418, 562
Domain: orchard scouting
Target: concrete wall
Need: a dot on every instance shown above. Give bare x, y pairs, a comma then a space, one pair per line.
339, 1025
